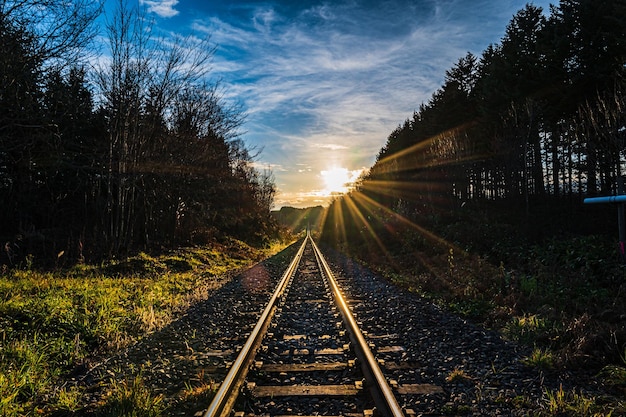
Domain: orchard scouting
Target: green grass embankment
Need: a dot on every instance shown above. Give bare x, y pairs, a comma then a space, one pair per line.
52, 322
564, 297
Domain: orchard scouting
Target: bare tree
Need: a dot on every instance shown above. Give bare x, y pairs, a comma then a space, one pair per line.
63, 29
169, 130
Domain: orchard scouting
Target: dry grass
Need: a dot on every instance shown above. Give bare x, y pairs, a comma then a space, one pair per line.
566, 298
51, 322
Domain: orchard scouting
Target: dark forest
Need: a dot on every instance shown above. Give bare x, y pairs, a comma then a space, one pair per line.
525, 132
102, 157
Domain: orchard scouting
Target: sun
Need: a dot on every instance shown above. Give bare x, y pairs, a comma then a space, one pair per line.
336, 180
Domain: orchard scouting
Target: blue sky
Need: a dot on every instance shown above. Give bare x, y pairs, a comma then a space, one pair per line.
323, 83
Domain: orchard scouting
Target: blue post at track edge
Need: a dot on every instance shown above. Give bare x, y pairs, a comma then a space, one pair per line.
604, 200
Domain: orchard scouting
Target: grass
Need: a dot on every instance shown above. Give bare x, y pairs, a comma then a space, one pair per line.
50, 322
458, 375
199, 391
69, 399
563, 403
528, 328
563, 296
540, 358
132, 399
614, 375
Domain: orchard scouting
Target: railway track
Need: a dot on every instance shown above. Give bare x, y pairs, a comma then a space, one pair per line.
435, 362
307, 355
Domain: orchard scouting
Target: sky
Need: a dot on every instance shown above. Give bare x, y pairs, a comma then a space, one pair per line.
324, 83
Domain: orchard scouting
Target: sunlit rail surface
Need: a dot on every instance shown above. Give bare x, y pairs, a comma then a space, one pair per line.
306, 355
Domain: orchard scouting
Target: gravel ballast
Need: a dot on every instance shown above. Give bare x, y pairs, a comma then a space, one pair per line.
478, 372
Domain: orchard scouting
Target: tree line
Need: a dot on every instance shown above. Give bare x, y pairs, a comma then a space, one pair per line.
102, 154
538, 119
542, 113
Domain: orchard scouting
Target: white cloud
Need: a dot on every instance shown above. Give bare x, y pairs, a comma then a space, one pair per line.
331, 146
163, 8
263, 19
333, 81
262, 166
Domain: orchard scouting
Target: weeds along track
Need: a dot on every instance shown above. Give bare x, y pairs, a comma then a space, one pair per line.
434, 362
350, 344
306, 354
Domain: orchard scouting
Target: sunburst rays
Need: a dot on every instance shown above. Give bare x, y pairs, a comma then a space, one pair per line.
404, 192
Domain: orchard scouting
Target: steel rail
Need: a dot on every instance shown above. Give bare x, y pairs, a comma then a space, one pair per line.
381, 391
227, 393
